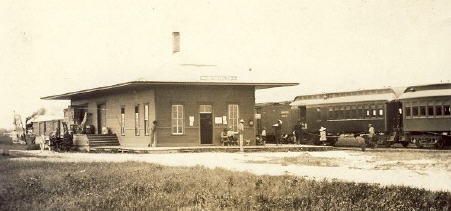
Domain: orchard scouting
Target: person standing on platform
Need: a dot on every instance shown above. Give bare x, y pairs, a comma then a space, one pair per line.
153, 131
371, 134
298, 132
263, 135
322, 135
241, 133
277, 129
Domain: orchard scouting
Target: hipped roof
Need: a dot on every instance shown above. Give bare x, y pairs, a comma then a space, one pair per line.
132, 84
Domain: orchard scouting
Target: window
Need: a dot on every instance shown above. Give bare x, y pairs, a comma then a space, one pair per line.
353, 112
438, 110
373, 111
176, 42
146, 119
408, 111
360, 112
233, 116
331, 113
430, 111
446, 110
381, 112
422, 110
205, 109
123, 121
137, 120
347, 112
415, 111
177, 120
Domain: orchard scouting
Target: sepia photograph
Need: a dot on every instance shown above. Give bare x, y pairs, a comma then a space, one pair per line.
225, 105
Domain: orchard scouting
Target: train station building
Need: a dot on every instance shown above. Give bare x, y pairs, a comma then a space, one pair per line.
188, 112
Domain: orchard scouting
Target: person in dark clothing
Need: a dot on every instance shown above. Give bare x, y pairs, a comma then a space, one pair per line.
277, 129
153, 133
298, 132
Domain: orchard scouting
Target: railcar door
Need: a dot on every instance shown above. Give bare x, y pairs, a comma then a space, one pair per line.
303, 114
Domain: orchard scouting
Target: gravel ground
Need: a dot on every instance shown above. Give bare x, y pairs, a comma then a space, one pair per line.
429, 170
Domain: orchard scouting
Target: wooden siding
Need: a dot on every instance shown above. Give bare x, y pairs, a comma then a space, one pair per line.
160, 99
113, 103
191, 97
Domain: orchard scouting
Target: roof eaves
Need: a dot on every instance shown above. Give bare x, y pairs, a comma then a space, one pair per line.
69, 94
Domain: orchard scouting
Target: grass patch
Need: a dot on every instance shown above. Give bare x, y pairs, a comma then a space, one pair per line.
44, 185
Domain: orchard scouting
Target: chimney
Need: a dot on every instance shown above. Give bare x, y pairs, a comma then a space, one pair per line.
175, 42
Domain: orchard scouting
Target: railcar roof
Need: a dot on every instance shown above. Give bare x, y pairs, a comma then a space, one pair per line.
345, 99
426, 93
273, 103
44, 118
429, 90
385, 94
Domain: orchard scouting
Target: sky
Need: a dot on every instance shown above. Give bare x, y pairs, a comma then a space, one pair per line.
52, 47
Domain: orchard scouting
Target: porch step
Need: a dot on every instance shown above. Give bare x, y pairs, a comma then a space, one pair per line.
102, 140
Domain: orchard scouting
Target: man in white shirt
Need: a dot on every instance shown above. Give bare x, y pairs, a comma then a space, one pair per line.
241, 132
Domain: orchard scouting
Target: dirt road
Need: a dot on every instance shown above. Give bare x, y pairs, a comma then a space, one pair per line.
429, 170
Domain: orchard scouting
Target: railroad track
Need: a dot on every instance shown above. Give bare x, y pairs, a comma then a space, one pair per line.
393, 149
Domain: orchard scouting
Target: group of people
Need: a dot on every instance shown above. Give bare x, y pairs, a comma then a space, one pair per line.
299, 133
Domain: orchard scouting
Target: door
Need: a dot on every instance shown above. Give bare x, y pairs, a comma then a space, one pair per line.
206, 125
101, 117
303, 114
206, 128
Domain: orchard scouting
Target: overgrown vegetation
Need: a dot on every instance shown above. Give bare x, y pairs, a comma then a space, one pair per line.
44, 185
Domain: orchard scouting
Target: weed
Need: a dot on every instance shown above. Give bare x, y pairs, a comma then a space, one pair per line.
27, 185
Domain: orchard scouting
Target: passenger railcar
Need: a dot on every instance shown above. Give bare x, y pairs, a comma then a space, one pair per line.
352, 112
427, 115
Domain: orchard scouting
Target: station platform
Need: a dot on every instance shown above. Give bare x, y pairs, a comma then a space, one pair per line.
195, 149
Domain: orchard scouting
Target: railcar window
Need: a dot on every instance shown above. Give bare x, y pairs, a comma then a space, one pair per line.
415, 111
340, 114
408, 112
353, 112
438, 110
374, 113
422, 110
347, 113
381, 112
430, 111
367, 113
446, 110
361, 113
